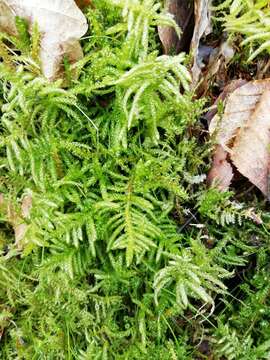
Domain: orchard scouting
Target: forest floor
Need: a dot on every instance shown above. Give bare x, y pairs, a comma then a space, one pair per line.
134, 180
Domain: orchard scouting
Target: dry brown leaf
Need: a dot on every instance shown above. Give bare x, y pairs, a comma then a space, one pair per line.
20, 227
213, 62
61, 24
16, 218
239, 107
7, 22
20, 232
221, 172
26, 206
183, 13
202, 27
228, 89
83, 3
2, 199
251, 152
243, 133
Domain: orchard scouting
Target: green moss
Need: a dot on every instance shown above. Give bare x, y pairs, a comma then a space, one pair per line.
126, 254
249, 19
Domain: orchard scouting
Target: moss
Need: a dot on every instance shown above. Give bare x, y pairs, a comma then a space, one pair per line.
126, 255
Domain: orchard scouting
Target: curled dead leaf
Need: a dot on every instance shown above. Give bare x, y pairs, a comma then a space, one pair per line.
214, 66
183, 13
229, 88
26, 206
20, 232
61, 24
252, 215
251, 152
221, 172
20, 227
16, 217
202, 27
240, 105
2, 199
243, 133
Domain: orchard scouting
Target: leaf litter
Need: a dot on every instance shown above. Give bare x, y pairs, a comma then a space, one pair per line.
183, 13
202, 27
242, 132
61, 24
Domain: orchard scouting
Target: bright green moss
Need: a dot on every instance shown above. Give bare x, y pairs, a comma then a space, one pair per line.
116, 262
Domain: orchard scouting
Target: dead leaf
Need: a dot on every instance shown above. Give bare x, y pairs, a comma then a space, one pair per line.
61, 24
20, 232
251, 152
183, 13
221, 172
2, 199
243, 133
16, 217
263, 68
202, 27
229, 88
239, 107
26, 206
7, 20
214, 67
83, 3
256, 218
20, 227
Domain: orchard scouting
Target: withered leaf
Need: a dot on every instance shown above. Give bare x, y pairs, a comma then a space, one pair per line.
228, 89
240, 105
17, 217
251, 152
243, 131
83, 3
20, 227
61, 24
202, 27
7, 21
221, 172
183, 12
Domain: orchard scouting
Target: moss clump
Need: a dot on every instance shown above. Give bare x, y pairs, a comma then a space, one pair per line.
122, 255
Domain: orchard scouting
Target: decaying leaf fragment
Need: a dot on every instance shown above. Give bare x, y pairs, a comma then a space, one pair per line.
251, 150
61, 24
221, 172
83, 3
202, 27
17, 218
243, 133
240, 105
7, 22
183, 13
228, 89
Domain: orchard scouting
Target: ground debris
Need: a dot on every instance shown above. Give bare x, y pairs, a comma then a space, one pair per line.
242, 134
